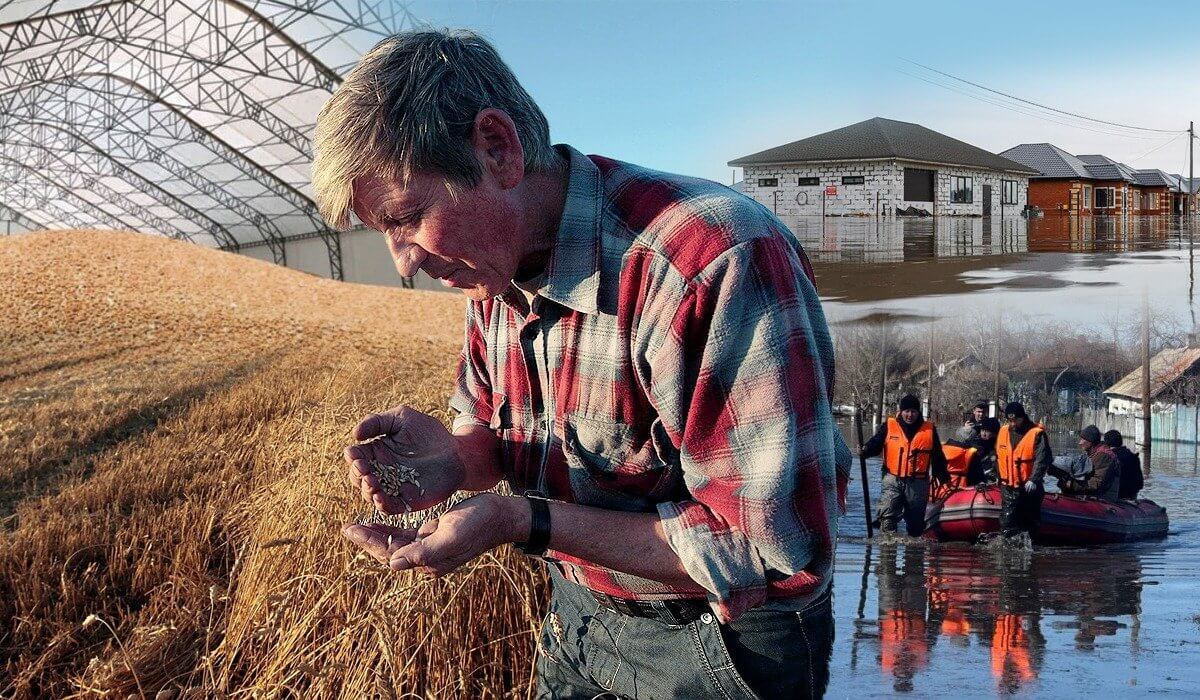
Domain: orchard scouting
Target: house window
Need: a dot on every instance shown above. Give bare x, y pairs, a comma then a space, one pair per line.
768, 182
854, 180
1008, 192
1152, 200
1087, 197
918, 185
1106, 197
809, 181
961, 190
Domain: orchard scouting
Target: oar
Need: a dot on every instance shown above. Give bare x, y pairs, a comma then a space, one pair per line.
862, 464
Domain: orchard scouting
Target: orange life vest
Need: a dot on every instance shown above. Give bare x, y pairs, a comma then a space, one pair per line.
958, 461
903, 457
1016, 464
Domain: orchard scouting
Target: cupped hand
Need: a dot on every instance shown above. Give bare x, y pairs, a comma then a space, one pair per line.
380, 541
461, 534
419, 442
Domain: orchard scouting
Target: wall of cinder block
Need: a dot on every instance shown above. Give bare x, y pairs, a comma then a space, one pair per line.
882, 190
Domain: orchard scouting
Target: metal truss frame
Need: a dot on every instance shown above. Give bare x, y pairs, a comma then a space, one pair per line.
117, 88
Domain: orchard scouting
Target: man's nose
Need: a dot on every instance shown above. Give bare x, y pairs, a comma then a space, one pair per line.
408, 259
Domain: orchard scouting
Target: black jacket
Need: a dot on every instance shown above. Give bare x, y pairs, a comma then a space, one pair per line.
1131, 472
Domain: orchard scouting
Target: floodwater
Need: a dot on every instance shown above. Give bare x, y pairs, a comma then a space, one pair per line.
917, 268
953, 620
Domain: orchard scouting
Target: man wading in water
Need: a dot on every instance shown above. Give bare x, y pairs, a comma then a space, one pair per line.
646, 362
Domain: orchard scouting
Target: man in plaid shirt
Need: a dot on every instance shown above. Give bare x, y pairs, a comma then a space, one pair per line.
646, 362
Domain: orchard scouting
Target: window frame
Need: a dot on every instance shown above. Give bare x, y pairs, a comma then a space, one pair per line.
1016, 192
850, 180
1112, 197
768, 182
814, 181
1088, 202
969, 189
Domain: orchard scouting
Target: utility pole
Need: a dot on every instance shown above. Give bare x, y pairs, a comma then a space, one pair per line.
1190, 197
996, 375
1146, 376
882, 371
929, 375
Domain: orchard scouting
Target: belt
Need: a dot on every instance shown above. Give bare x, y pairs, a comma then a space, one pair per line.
672, 612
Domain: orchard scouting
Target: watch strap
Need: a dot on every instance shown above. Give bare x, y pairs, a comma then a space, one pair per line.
539, 527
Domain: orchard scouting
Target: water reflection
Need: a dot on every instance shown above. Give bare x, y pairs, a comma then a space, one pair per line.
900, 266
989, 605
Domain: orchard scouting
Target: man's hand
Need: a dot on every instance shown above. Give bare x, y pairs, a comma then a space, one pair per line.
408, 437
462, 533
380, 541
1030, 486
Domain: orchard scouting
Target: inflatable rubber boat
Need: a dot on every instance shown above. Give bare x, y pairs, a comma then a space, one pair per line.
967, 513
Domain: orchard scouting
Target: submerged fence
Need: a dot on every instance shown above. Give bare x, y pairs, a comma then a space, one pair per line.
1175, 424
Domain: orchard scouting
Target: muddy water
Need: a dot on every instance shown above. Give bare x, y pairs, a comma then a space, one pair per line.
958, 620
1054, 267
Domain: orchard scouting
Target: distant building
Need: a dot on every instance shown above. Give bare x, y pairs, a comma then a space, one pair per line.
879, 166
1174, 379
1092, 184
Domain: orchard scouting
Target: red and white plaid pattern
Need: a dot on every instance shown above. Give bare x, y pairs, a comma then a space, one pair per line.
676, 360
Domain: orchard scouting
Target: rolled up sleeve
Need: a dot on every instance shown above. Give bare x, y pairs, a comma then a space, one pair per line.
472, 397
742, 386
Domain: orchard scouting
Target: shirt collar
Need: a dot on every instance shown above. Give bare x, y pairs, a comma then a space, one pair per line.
573, 273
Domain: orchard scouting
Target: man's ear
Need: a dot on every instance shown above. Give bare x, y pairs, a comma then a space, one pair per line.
498, 147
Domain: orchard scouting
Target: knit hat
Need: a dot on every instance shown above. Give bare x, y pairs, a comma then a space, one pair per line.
990, 424
910, 402
1091, 433
1015, 409
1113, 438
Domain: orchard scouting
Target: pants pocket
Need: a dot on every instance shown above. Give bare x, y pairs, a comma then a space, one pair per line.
723, 674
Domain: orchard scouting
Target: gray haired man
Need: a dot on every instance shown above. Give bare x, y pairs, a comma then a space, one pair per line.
645, 362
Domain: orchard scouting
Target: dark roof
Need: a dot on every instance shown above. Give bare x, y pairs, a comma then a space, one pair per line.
1049, 160
1154, 178
1105, 168
883, 139
1165, 368
1181, 184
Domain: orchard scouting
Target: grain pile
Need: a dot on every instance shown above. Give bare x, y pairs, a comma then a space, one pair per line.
171, 487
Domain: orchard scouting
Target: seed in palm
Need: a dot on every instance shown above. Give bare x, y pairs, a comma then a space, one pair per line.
393, 476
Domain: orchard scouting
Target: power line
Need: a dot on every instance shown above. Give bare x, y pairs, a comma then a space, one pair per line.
1038, 104
1026, 111
1156, 148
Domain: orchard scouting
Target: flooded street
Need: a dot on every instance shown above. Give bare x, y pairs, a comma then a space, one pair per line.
950, 619
1054, 267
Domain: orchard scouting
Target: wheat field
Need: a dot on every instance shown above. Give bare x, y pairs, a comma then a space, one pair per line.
171, 484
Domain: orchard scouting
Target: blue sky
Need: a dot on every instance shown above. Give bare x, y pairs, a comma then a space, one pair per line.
688, 86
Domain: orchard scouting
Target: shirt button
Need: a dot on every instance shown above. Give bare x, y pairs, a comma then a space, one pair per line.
706, 618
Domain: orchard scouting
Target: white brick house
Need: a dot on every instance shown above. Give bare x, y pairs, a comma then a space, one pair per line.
880, 165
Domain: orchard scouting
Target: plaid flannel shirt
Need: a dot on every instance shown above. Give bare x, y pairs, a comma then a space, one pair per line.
675, 360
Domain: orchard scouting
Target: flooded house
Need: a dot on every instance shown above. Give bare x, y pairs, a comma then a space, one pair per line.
1092, 184
881, 167
1174, 395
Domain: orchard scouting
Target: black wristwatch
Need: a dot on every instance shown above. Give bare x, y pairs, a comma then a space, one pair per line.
539, 527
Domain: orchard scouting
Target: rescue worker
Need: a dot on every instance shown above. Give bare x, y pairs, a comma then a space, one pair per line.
1132, 480
971, 427
971, 462
1022, 458
911, 452
1104, 478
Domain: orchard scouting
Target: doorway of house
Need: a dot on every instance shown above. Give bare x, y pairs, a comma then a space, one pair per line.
987, 200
